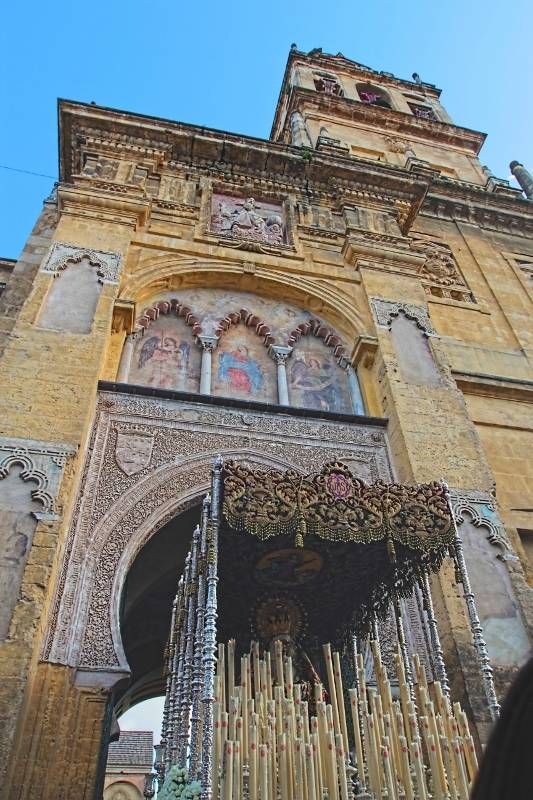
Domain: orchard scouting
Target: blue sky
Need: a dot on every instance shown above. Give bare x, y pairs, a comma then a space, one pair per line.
220, 64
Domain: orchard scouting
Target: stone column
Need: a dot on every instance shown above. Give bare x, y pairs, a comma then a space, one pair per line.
299, 133
208, 345
358, 406
524, 178
126, 356
280, 355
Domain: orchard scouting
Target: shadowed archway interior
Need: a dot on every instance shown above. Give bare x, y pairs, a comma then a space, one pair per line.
146, 606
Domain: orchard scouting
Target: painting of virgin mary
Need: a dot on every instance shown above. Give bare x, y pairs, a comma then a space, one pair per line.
239, 372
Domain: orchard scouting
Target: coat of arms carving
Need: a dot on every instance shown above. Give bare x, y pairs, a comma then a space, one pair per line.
133, 451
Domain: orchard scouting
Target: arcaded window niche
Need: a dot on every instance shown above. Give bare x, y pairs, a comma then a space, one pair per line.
373, 96
242, 367
503, 629
17, 526
240, 345
71, 301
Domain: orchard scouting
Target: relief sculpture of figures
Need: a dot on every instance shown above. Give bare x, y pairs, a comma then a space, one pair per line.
247, 219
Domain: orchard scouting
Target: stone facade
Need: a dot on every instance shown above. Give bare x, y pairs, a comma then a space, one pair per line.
234, 290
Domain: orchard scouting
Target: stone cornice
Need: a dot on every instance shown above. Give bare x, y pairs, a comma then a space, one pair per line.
494, 386
102, 204
468, 203
390, 120
244, 162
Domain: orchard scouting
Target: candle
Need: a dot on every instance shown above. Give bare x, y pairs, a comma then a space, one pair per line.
228, 771
310, 772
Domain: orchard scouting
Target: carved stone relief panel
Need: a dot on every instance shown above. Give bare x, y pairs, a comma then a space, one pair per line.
248, 218
29, 480
126, 498
491, 564
97, 166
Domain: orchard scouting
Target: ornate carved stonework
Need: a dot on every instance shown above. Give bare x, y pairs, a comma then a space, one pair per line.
482, 511
97, 166
385, 311
397, 145
118, 512
133, 451
248, 219
42, 464
61, 254
440, 265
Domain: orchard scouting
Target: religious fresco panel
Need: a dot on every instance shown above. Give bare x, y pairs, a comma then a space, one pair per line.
315, 379
242, 367
167, 357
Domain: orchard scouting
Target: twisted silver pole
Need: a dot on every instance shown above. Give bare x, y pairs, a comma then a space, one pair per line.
402, 641
480, 645
436, 647
180, 662
165, 751
190, 590
210, 631
197, 679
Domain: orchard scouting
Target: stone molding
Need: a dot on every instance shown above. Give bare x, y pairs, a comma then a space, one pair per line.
62, 254
386, 310
42, 463
481, 508
117, 513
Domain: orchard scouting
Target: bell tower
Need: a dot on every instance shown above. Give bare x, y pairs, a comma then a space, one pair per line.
338, 106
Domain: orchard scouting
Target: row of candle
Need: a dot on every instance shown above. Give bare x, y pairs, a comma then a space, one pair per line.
269, 746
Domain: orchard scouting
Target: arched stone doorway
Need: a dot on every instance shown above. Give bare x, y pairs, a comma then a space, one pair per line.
145, 609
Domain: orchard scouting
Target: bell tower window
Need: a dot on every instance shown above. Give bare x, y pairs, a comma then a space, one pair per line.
423, 112
328, 85
372, 96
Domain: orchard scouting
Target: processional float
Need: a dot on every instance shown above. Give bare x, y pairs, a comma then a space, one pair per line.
279, 689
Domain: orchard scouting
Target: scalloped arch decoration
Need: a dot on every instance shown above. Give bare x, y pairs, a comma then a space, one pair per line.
164, 273
315, 327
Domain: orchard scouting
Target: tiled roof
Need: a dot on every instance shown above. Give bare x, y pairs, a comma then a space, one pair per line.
133, 749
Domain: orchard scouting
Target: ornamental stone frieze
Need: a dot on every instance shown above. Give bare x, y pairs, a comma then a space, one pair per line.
62, 254
149, 461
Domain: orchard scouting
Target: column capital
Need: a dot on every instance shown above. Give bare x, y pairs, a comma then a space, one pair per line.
208, 343
279, 353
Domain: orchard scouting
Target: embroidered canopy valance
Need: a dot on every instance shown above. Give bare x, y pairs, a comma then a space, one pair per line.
334, 505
